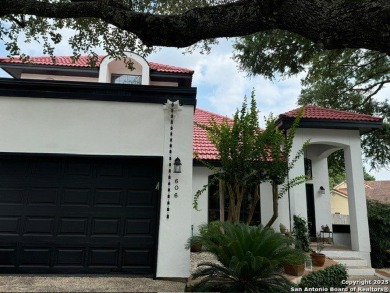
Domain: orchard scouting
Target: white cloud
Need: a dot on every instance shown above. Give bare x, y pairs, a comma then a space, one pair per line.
384, 93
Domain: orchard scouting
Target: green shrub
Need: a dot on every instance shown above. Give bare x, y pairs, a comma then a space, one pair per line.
329, 277
251, 259
301, 233
379, 224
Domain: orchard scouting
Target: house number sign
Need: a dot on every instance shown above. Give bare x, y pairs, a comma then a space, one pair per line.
176, 188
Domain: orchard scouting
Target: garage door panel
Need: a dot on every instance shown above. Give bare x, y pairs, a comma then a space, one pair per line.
140, 197
143, 183
110, 170
73, 168
10, 225
35, 256
108, 197
39, 226
8, 256
43, 196
104, 257
133, 257
78, 214
76, 197
70, 257
138, 226
9, 168
11, 196
73, 226
46, 168
105, 227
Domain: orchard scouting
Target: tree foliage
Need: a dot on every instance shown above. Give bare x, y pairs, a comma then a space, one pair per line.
336, 176
301, 232
379, 223
348, 79
136, 25
250, 156
329, 278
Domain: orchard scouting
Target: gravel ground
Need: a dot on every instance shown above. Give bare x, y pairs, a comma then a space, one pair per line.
197, 258
85, 283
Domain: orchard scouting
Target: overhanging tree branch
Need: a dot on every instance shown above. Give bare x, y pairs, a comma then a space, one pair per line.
335, 24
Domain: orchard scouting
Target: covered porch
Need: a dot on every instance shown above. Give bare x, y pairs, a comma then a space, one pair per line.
328, 131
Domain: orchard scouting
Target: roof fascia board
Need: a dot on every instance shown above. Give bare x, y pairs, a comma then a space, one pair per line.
154, 73
198, 163
362, 126
95, 91
26, 66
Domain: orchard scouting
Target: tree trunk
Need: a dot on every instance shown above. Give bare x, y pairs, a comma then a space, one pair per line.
275, 199
334, 24
221, 201
231, 203
235, 202
256, 198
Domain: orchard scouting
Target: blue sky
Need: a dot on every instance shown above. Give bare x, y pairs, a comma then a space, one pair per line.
221, 85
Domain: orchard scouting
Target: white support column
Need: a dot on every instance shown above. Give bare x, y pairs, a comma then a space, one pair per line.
356, 197
320, 178
298, 193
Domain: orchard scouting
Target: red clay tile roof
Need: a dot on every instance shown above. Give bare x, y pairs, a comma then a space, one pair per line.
169, 68
83, 62
315, 112
202, 146
375, 190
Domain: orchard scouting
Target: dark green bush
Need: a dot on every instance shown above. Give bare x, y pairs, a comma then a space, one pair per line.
301, 233
250, 259
326, 278
379, 223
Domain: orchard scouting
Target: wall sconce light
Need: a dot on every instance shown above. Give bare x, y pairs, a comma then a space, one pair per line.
322, 190
177, 166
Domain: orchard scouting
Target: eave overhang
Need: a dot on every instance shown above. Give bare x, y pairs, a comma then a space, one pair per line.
363, 126
95, 91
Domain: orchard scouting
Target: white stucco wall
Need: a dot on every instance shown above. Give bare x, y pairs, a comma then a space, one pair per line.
320, 178
200, 178
173, 258
266, 207
112, 128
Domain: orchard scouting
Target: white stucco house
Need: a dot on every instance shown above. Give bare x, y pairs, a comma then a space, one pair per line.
89, 179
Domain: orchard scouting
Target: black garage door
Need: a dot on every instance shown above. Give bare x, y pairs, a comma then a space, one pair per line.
78, 214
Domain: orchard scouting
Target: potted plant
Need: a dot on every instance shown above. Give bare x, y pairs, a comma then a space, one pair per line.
302, 243
317, 257
325, 228
295, 267
195, 244
282, 228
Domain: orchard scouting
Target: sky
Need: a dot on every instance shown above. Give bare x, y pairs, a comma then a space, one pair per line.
221, 86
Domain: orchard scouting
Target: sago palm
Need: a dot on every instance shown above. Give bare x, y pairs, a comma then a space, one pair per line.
250, 259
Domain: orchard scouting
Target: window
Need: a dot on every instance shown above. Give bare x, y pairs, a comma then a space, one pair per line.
125, 79
308, 169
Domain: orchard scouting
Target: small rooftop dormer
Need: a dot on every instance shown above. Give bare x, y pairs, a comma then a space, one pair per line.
116, 71
107, 70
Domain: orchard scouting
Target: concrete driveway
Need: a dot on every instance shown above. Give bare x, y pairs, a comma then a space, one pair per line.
86, 283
